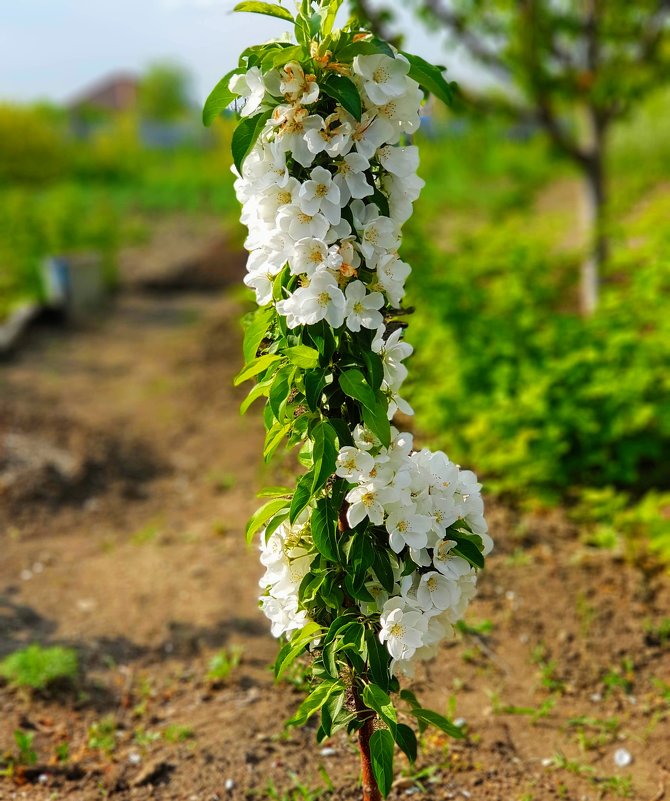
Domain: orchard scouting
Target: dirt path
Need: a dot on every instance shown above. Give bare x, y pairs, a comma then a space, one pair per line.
127, 476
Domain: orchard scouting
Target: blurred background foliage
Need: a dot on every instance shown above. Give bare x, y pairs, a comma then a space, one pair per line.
549, 404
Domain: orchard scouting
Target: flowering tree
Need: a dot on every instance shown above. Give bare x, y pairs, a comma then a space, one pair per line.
373, 558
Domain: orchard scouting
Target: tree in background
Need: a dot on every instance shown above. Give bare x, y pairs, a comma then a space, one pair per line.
165, 92
574, 66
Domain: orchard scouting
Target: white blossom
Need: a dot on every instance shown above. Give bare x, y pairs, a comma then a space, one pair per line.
382, 77
402, 628
310, 254
354, 464
400, 161
321, 299
251, 86
363, 307
320, 194
298, 225
296, 85
350, 177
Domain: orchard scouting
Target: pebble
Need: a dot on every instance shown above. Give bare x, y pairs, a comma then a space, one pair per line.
596, 697
26, 575
460, 722
327, 752
547, 761
229, 785
43, 778
134, 758
622, 757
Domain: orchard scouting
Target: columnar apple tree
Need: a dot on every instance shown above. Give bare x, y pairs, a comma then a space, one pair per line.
373, 558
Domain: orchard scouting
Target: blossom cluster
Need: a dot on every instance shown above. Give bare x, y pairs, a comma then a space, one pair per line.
286, 563
313, 187
415, 496
324, 195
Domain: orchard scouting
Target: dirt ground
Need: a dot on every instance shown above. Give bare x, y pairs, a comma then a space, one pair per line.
126, 477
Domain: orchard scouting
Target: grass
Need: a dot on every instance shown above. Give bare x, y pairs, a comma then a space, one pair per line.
621, 786
301, 791
37, 668
102, 735
223, 664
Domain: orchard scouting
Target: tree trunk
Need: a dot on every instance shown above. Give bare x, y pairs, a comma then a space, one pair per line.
596, 222
370, 789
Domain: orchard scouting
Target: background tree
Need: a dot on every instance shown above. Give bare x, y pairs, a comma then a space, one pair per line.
165, 92
575, 67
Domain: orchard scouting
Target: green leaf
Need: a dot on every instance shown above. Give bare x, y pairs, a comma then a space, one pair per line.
262, 515
315, 381
375, 368
245, 136
354, 384
364, 47
345, 92
274, 523
376, 419
255, 392
410, 697
302, 356
279, 392
274, 438
378, 660
469, 552
269, 9
379, 700
286, 54
294, 647
381, 753
274, 492
255, 332
324, 530
255, 367
324, 453
360, 556
301, 496
439, 721
430, 78
468, 546
383, 570
331, 710
314, 701
219, 98
406, 740
328, 18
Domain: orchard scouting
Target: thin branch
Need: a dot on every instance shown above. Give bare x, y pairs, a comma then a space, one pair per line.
458, 25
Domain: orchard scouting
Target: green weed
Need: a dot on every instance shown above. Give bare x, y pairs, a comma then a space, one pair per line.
224, 663
36, 667
592, 733
102, 735
24, 742
174, 733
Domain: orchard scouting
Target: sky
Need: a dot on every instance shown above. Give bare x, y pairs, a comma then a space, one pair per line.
52, 49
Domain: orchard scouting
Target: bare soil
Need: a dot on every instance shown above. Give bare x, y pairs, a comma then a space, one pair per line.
126, 477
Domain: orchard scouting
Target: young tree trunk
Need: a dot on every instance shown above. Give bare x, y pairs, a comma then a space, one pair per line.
596, 224
370, 789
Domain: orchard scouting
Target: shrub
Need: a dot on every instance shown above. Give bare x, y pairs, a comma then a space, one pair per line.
539, 398
33, 148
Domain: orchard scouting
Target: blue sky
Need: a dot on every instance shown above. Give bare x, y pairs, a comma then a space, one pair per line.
53, 48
